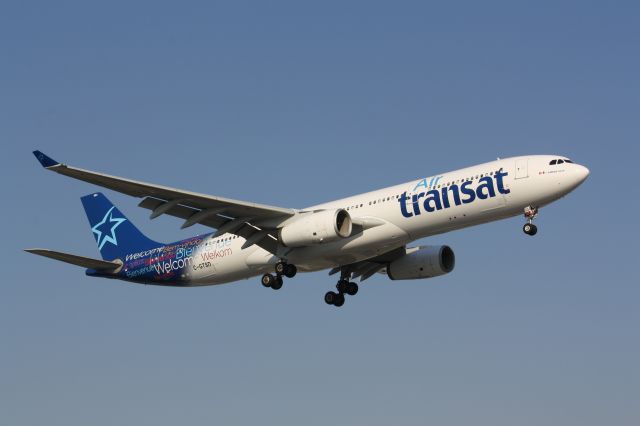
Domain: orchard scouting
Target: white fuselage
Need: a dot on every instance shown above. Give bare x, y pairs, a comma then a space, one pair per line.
525, 181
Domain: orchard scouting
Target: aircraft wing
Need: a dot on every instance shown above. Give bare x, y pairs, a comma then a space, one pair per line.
224, 214
367, 268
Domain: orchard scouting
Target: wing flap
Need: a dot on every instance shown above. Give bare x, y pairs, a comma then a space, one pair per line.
182, 212
267, 238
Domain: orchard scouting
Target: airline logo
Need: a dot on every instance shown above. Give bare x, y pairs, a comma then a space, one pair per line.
105, 230
443, 198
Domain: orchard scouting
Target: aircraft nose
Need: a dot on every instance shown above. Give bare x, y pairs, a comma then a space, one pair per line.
582, 173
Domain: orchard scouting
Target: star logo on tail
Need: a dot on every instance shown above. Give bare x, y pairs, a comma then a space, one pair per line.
105, 230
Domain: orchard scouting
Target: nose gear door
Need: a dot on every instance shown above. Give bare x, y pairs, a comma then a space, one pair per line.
522, 168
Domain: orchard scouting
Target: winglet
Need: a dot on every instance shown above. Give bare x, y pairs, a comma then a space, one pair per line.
44, 159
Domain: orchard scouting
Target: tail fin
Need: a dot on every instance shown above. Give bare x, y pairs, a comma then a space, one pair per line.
115, 234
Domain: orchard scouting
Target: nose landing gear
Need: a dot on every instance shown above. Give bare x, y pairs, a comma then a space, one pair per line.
275, 282
530, 213
530, 229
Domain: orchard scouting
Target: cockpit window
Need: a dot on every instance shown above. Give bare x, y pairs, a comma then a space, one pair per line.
553, 162
560, 161
568, 161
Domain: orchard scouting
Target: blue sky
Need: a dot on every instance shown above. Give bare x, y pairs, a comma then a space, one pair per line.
292, 104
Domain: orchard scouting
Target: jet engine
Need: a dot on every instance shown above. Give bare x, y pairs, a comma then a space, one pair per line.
316, 228
422, 262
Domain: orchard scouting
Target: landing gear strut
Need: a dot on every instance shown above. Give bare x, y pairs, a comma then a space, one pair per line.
275, 281
530, 213
343, 287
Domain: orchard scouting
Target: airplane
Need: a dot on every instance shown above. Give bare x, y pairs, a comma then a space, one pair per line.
356, 237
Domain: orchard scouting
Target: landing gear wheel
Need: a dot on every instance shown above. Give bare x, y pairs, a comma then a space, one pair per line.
277, 283
268, 280
333, 298
342, 286
280, 266
530, 229
352, 289
290, 271
330, 297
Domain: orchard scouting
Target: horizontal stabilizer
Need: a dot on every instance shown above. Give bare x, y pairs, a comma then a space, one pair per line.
86, 262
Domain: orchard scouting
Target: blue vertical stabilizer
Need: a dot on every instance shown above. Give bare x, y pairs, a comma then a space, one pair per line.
115, 234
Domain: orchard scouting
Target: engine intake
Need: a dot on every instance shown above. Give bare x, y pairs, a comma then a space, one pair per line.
422, 262
316, 228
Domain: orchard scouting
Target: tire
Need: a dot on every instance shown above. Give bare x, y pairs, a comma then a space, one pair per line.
339, 300
277, 283
352, 289
330, 297
280, 266
527, 228
533, 231
267, 280
290, 271
342, 286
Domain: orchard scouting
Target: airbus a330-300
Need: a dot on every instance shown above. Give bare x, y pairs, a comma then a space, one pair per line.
355, 237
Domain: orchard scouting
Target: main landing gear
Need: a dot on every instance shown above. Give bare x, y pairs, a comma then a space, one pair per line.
530, 213
275, 281
343, 287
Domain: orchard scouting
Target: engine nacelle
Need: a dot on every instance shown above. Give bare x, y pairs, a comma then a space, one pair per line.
422, 262
317, 228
